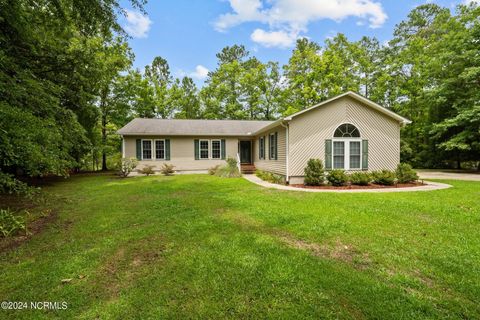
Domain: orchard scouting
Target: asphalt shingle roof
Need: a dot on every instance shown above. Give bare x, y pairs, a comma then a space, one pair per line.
178, 127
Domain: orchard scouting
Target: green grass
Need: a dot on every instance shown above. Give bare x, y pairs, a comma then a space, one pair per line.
199, 246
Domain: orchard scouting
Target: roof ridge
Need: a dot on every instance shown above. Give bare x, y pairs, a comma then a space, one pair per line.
250, 120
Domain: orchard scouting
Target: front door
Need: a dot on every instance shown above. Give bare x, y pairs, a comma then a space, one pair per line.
245, 151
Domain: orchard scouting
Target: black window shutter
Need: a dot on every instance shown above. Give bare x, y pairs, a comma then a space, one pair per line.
167, 149
364, 154
276, 145
328, 154
139, 149
196, 149
224, 151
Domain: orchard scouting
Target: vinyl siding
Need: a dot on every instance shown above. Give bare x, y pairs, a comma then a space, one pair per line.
276, 166
308, 132
182, 153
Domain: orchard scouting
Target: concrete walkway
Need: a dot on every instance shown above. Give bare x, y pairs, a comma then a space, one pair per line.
448, 175
428, 187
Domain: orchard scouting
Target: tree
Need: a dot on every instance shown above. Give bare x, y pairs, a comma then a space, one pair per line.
159, 78
185, 99
113, 59
222, 93
48, 82
303, 77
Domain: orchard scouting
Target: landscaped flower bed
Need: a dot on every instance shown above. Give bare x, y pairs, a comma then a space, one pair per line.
316, 178
370, 186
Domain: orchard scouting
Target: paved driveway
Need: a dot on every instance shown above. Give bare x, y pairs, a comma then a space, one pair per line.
448, 175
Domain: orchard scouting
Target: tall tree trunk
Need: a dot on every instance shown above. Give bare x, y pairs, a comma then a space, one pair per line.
103, 107
104, 142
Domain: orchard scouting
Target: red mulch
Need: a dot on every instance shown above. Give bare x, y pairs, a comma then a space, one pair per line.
370, 186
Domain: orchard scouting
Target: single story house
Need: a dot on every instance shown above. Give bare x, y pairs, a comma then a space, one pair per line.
346, 132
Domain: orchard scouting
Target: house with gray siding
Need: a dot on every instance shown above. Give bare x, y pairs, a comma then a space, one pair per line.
346, 132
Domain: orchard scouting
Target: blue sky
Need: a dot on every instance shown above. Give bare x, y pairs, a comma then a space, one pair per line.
188, 33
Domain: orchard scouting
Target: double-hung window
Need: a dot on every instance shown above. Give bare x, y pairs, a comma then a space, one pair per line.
355, 155
159, 149
216, 149
338, 154
146, 149
204, 154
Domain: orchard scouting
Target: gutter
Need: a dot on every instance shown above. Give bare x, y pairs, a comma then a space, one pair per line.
123, 146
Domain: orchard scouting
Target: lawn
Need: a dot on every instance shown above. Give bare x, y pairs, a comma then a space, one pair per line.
198, 246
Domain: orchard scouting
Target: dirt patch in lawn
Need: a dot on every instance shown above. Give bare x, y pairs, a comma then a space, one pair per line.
353, 187
127, 263
337, 251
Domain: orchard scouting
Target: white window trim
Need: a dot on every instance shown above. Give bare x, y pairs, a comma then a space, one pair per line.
346, 154
200, 149
152, 147
155, 149
211, 149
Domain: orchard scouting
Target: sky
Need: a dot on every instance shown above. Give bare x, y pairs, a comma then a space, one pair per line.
188, 33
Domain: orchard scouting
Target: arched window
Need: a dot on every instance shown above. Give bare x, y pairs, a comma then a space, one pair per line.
347, 130
346, 148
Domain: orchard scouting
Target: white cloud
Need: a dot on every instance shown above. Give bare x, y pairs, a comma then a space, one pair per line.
137, 25
280, 39
200, 73
474, 1
288, 18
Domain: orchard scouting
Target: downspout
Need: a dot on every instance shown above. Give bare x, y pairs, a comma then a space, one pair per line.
287, 152
123, 147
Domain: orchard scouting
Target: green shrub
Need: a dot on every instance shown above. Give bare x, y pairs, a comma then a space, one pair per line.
270, 177
126, 166
337, 177
230, 170
147, 170
277, 179
360, 178
167, 169
314, 174
11, 223
213, 170
405, 173
384, 177
9, 184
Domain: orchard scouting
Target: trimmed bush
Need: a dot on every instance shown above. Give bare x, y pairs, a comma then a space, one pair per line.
147, 170
384, 177
314, 173
337, 178
11, 223
230, 170
167, 169
126, 166
360, 178
405, 173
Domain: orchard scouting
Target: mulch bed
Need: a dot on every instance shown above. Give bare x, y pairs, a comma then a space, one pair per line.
370, 186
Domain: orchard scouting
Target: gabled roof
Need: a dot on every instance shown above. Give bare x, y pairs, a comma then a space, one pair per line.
180, 127
358, 97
